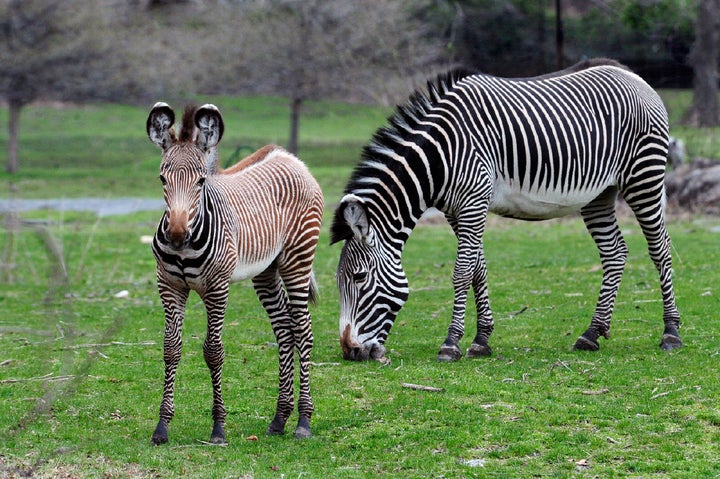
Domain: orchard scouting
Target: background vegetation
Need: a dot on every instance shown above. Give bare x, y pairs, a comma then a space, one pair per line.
81, 335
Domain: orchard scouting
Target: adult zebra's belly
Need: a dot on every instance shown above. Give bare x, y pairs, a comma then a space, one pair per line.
513, 202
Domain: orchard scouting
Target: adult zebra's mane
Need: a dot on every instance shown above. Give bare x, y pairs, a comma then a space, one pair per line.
400, 125
405, 118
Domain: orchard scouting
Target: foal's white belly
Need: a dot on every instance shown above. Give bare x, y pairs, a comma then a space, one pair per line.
245, 269
513, 202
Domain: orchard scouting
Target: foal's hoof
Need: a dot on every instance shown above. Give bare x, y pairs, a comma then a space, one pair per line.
586, 344
449, 353
303, 428
276, 427
478, 350
670, 342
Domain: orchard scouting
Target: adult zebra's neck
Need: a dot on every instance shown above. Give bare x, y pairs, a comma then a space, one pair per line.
404, 168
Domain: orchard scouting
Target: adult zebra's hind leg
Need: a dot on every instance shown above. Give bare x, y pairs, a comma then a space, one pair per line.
601, 221
651, 217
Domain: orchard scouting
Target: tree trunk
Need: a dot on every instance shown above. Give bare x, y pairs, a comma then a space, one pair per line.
295, 106
13, 129
703, 58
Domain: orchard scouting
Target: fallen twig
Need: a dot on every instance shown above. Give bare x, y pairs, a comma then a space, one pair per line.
596, 392
420, 387
659, 395
46, 377
111, 343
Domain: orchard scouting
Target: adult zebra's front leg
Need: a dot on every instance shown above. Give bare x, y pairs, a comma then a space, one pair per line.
470, 269
174, 301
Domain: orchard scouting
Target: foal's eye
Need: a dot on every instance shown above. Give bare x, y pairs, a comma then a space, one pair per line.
360, 276
163, 180
201, 181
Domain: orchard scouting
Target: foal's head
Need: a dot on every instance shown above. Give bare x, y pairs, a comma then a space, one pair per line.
188, 158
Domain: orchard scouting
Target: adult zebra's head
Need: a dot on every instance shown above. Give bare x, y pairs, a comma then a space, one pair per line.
373, 286
188, 158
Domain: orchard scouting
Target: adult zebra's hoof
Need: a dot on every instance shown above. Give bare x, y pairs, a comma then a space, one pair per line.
160, 436
478, 350
586, 344
670, 342
449, 353
218, 435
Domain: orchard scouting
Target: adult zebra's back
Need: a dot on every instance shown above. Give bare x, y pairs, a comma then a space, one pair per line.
531, 149
259, 220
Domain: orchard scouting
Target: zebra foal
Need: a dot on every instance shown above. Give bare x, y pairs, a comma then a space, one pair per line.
532, 149
258, 219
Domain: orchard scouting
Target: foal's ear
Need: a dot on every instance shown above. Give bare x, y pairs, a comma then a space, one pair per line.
209, 123
159, 125
351, 220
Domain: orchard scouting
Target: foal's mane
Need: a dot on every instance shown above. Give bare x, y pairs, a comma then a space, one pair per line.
250, 160
187, 125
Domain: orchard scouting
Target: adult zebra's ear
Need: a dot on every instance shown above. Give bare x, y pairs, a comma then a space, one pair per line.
159, 125
209, 123
351, 220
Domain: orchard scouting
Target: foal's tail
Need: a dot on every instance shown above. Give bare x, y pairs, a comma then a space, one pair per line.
313, 289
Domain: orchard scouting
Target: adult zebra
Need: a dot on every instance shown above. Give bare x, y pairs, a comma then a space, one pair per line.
532, 149
259, 219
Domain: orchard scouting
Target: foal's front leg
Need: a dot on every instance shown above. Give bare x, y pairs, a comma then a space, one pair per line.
214, 353
173, 300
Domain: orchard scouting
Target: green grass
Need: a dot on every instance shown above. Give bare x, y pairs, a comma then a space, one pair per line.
102, 150
81, 370
535, 408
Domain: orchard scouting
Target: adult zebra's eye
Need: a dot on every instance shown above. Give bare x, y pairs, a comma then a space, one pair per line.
163, 180
360, 276
201, 181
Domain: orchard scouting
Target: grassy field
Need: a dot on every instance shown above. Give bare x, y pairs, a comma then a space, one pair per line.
81, 369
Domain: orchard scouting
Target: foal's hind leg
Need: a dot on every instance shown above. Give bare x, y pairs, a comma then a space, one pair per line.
268, 287
601, 222
295, 267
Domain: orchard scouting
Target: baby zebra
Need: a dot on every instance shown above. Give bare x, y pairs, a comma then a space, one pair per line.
258, 219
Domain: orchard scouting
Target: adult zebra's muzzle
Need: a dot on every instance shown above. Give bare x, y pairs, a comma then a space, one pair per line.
356, 351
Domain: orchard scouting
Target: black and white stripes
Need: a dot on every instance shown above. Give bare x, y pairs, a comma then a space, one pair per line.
259, 219
530, 148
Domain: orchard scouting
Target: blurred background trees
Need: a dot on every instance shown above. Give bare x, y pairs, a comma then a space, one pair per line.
140, 51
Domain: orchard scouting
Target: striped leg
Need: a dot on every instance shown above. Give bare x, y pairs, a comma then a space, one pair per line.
470, 269
601, 221
303, 339
174, 304
652, 223
269, 289
216, 304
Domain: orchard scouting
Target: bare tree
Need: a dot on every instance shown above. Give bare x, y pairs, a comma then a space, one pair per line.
704, 60
46, 47
307, 49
